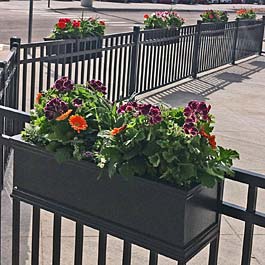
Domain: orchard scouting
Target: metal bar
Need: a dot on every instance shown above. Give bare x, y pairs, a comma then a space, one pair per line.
30, 21
127, 253
196, 49
234, 48
15, 232
102, 248
134, 57
240, 213
79, 231
56, 251
153, 258
249, 227
35, 236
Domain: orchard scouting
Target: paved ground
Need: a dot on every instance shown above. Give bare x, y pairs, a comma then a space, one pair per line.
237, 96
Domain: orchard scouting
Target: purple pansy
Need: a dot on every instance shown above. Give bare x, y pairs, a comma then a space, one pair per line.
54, 108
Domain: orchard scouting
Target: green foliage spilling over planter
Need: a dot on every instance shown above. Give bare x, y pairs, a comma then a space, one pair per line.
169, 145
246, 14
163, 19
81, 28
214, 16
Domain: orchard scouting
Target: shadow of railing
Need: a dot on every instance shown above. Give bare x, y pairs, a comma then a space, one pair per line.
199, 89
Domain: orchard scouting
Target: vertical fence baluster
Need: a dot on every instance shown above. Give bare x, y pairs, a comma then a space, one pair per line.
196, 49
102, 248
153, 258
35, 236
15, 231
234, 48
56, 251
133, 60
249, 227
127, 253
79, 231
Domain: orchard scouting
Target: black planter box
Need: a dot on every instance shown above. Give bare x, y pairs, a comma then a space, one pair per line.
75, 45
214, 29
156, 35
173, 222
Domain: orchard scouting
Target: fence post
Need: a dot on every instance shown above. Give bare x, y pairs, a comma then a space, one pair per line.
262, 35
134, 60
195, 59
233, 59
15, 43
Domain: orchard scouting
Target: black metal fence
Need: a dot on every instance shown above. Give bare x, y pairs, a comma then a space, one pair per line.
249, 215
135, 62
127, 63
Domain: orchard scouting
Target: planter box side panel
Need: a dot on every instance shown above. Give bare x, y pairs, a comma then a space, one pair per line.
202, 206
146, 207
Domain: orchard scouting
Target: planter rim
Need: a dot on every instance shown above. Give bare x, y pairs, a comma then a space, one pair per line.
18, 141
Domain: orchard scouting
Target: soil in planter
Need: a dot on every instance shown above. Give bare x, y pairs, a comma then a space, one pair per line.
68, 49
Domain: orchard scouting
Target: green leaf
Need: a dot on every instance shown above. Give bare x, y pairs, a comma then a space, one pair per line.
63, 154
154, 160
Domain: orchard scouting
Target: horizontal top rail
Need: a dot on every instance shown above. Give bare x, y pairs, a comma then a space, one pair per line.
248, 177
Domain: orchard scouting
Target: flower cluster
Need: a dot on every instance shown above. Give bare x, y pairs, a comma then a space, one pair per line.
246, 14
194, 113
153, 113
67, 118
63, 84
214, 16
97, 85
174, 146
66, 28
163, 19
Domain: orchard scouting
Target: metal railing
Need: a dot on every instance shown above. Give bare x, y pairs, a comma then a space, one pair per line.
135, 62
249, 215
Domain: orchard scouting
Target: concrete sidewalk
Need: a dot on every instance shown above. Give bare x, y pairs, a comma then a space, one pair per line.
237, 96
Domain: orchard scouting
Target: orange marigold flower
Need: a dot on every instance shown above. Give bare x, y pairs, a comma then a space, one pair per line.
38, 97
78, 123
116, 131
64, 115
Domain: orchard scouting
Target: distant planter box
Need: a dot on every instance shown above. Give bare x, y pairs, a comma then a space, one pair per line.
214, 29
75, 45
157, 36
173, 222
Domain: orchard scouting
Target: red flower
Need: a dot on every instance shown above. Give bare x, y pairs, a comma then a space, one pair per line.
211, 16
146, 16
76, 24
61, 25
211, 138
101, 22
66, 20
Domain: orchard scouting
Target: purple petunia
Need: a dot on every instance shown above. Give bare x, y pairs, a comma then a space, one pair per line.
54, 108
97, 85
64, 84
